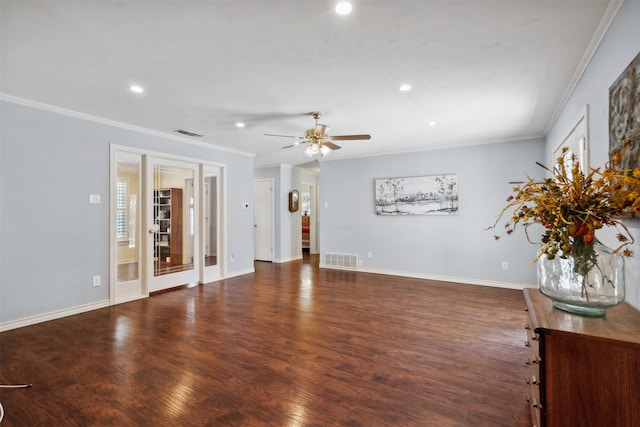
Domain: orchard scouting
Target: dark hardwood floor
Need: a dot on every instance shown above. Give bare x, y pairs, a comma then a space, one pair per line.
290, 345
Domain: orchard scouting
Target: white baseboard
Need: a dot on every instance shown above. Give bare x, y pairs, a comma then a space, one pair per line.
237, 273
58, 314
463, 280
283, 260
52, 315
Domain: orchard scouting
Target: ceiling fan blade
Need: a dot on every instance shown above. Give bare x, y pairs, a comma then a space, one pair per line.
331, 145
295, 144
284, 136
350, 137
320, 131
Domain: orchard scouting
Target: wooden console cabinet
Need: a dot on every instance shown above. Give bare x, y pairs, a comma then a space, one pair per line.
583, 371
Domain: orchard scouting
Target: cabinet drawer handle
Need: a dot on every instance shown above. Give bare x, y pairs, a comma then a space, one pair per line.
526, 344
533, 402
535, 337
533, 380
527, 327
535, 361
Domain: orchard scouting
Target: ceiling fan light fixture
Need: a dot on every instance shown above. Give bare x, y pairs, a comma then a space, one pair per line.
324, 150
308, 152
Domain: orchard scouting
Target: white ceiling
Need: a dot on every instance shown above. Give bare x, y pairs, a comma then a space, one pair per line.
486, 71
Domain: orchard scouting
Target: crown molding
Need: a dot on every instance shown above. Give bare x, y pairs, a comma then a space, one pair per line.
108, 122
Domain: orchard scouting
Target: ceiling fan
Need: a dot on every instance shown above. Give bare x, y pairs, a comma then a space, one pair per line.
321, 142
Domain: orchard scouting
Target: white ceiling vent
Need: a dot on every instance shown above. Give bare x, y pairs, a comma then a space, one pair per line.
336, 260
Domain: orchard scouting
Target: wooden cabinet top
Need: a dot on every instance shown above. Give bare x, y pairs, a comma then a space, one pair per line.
620, 323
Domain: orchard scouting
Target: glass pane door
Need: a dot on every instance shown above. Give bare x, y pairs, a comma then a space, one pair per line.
128, 285
210, 224
172, 223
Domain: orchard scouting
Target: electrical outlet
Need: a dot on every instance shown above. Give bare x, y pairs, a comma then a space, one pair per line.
96, 281
369, 254
505, 265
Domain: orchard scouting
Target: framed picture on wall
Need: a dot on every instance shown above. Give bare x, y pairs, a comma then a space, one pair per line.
624, 115
624, 119
294, 201
417, 195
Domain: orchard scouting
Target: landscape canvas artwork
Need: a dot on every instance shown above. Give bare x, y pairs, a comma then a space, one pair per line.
421, 195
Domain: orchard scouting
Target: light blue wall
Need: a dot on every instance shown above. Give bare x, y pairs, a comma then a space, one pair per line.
52, 241
443, 246
618, 48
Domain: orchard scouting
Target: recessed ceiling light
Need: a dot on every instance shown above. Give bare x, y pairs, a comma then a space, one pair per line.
344, 8
240, 124
136, 89
405, 88
432, 123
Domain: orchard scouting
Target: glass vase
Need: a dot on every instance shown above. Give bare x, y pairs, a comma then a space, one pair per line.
583, 286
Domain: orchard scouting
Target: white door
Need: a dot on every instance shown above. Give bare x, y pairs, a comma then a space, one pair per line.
263, 219
126, 254
171, 221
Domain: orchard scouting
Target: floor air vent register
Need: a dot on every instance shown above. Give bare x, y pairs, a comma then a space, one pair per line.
337, 260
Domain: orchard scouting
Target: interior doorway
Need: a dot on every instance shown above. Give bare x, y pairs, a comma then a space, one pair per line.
307, 215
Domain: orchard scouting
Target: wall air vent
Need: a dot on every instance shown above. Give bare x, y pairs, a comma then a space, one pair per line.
336, 260
186, 132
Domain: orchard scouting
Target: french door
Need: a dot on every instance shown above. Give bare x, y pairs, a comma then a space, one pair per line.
172, 253
126, 265
167, 223
212, 233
